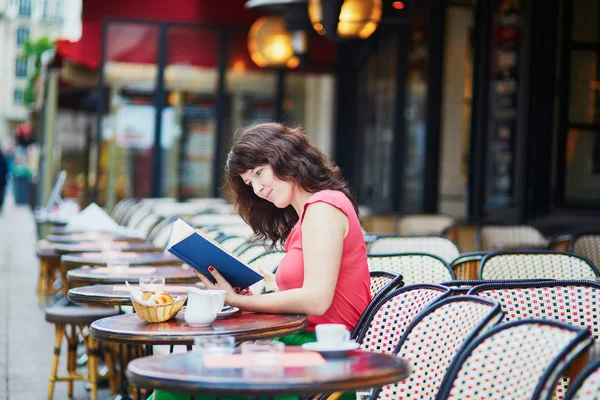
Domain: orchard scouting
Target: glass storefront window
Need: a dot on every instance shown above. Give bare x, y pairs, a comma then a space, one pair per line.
585, 14
416, 131
377, 105
582, 172
126, 154
584, 93
189, 143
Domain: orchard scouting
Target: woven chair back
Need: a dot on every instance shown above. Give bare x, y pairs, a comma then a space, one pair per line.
439, 246
434, 338
389, 318
536, 265
588, 245
414, 268
517, 360
511, 237
423, 224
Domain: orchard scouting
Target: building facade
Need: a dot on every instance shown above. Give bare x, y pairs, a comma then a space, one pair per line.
21, 20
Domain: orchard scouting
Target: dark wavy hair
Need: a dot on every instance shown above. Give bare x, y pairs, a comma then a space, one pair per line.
293, 159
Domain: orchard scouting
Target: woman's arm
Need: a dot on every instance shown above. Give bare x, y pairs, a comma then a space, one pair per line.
323, 231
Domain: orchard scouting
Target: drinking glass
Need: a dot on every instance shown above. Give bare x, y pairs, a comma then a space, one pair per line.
117, 266
265, 352
152, 283
215, 344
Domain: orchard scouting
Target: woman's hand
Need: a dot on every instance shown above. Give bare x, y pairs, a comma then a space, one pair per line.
230, 292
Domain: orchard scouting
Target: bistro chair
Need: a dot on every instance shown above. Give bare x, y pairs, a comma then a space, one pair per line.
462, 286
384, 322
510, 237
561, 242
414, 268
439, 246
433, 340
536, 264
69, 323
464, 235
232, 243
587, 245
160, 233
423, 224
121, 208
387, 320
587, 385
571, 302
466, 265
382, 283
251, 251
516, 360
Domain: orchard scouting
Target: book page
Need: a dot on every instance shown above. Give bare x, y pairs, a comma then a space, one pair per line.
180, 231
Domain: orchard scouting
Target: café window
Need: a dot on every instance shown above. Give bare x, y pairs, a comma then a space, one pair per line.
580, 150
22, 35
21, 67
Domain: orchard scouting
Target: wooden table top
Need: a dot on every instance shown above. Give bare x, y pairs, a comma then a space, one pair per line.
148, 258
97, 246
131, 329
90, 236
186, 373
93, 276
107, 295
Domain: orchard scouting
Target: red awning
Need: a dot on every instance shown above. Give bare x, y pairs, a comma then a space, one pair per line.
137, 42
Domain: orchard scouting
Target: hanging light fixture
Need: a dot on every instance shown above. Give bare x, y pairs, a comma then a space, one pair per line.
270, 44
345, 18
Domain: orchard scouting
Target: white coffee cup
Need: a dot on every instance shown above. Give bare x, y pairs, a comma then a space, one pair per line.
332, 335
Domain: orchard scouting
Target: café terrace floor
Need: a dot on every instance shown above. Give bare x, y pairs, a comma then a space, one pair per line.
26, 339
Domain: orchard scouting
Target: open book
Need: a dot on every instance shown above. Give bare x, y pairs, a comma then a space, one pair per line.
201, 252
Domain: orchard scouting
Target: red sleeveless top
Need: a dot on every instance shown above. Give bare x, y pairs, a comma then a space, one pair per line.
352, 292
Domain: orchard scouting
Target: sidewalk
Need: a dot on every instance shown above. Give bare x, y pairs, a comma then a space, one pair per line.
26, 339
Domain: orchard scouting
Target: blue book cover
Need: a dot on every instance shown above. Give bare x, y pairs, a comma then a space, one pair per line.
200, 252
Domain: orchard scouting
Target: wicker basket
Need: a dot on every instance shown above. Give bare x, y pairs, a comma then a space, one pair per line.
158, 312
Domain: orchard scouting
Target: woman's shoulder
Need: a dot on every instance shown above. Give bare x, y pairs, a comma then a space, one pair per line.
333, 197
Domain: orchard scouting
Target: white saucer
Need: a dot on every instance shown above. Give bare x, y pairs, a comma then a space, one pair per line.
331, 351
227, 311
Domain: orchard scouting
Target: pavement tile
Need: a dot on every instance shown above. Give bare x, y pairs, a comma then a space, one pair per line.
26, 339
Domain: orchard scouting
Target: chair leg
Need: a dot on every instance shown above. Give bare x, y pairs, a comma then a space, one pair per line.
109, 360
91, 345
73, 341
58, 335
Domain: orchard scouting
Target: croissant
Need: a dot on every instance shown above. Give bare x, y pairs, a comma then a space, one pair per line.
161, 298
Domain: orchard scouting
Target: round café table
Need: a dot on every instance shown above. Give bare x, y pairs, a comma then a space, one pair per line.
98, 246
186, 373
92, 276
131, 332
131, 329
111, 295
77, 260
91, 236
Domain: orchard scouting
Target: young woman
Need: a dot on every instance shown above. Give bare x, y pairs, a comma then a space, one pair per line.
288, 192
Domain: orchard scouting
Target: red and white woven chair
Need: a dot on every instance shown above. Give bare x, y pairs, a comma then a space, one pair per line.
571, 302
433, 340
439, 246
389, 318
510, 237
517, 360
587, 384
414, 267
536, 265
588, 245
382, 283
